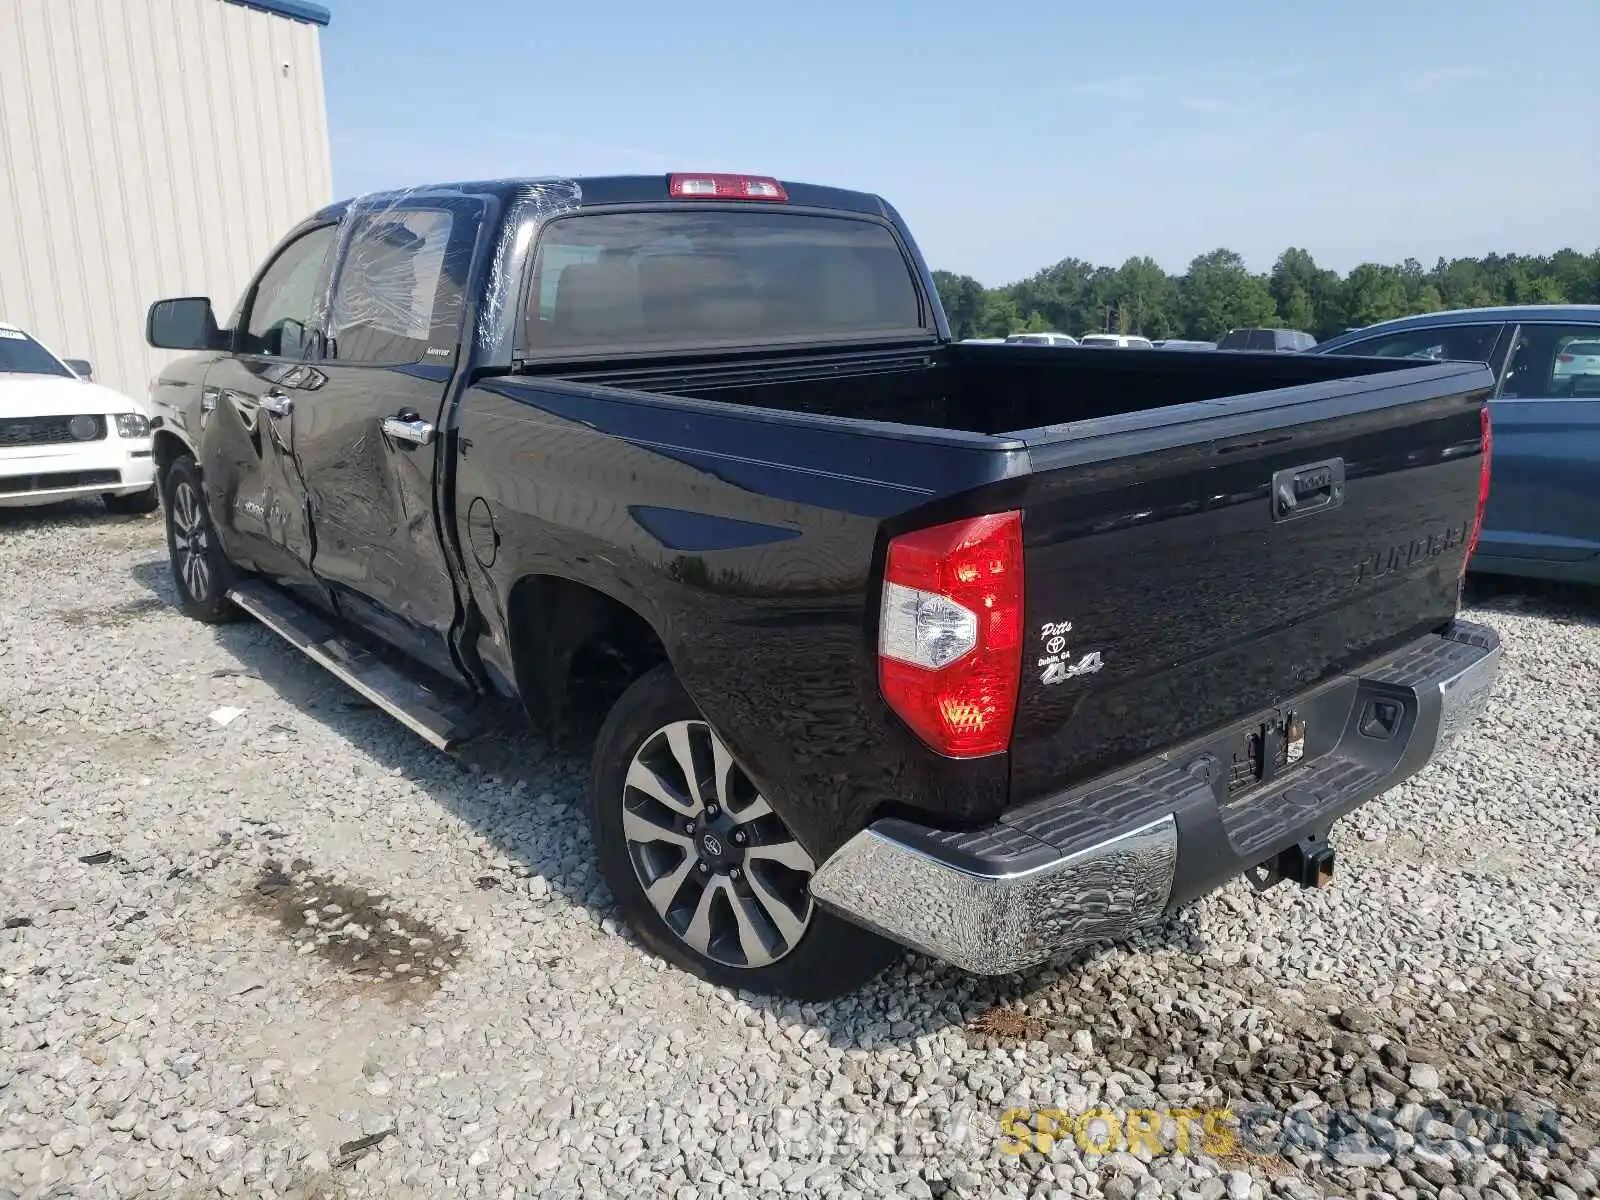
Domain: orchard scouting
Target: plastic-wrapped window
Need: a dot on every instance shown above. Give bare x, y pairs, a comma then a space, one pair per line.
399, 292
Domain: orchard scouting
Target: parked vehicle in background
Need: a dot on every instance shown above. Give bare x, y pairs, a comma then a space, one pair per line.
1041, 339
1281, 340
1578, 362
1182, 344
985, 650
1543, 515
64, 437
1116, 341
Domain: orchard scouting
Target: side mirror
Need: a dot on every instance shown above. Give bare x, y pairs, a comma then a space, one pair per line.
79, 367
183, 324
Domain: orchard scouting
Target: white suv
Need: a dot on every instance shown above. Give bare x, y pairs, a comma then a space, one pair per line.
1042, 339
1117, 341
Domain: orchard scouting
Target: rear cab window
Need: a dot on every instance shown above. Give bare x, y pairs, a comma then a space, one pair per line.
653, 279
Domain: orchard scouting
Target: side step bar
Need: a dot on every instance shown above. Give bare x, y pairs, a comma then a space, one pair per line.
415, 706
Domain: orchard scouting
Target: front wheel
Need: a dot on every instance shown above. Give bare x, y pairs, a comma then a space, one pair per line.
200, 571
703, 869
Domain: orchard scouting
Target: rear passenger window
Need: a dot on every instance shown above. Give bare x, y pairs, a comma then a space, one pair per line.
638, 280
1554, 362
398, 296
1465, 343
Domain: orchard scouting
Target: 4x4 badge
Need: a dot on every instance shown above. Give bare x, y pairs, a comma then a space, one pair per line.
1058, 668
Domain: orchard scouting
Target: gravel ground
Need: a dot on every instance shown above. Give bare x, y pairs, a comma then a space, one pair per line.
304, 954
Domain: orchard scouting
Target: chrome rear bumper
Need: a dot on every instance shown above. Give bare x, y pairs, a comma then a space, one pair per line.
992, 922
1105, 859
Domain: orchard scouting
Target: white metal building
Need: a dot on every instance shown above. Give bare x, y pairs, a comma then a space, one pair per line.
149, 148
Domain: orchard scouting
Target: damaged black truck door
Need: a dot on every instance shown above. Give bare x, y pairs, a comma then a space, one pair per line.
249, 403
368, 439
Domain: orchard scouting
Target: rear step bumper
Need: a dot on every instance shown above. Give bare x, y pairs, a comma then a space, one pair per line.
1106, 858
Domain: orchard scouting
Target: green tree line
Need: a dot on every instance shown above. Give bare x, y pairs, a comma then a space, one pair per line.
1218, 293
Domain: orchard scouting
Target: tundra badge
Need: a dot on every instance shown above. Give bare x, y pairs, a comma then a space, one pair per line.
1057, 663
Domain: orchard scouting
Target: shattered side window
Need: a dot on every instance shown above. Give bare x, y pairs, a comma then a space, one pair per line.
399, 293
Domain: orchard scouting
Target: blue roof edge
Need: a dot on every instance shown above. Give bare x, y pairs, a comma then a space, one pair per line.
298, 10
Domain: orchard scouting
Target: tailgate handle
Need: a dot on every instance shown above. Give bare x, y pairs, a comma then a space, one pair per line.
1302, 491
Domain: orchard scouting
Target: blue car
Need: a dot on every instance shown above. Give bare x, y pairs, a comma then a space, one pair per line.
1543, 516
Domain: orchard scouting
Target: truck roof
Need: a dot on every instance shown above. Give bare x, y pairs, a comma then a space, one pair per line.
1505, 312
587, 191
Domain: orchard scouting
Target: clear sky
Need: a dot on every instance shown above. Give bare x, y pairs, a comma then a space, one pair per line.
1012, 138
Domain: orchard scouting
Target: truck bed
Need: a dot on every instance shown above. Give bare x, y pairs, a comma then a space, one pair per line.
980, 388
764, 489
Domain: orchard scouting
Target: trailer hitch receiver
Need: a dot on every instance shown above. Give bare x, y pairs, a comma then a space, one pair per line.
1309, 863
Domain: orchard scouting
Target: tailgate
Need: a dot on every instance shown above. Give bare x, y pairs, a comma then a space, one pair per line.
1192, 566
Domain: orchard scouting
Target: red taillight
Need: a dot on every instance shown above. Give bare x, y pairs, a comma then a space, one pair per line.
726, 187
950, 632
1483, 484
1563, 358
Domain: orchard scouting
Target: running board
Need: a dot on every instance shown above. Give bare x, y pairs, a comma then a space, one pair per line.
415, 706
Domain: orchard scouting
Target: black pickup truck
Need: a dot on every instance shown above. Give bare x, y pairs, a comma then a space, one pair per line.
993, 651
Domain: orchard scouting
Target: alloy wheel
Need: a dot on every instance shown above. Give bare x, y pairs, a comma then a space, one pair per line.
720, 868
191, 540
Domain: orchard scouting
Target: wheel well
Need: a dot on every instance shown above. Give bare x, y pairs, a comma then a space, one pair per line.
575, 651
166, 448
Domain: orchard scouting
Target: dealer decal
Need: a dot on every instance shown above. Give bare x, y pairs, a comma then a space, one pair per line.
1057, 664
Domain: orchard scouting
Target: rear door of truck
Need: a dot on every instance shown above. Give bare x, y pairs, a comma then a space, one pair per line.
365, 430
1188, 567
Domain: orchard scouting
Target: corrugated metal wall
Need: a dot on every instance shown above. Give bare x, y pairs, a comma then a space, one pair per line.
148, 148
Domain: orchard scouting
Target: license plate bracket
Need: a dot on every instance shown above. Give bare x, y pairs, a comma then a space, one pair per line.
1267, 751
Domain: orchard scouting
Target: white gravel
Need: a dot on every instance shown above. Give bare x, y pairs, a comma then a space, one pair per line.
304, 954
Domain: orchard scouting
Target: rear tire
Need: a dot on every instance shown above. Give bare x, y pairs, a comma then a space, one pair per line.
733, 908
201, 572
134, 505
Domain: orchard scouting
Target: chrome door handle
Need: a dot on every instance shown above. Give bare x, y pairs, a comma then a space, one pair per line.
409, 429
276, 404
